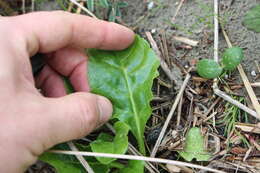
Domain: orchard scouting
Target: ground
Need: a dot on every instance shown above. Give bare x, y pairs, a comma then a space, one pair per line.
194, 21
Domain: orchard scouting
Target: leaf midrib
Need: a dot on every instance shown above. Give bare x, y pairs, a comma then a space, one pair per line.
132, 103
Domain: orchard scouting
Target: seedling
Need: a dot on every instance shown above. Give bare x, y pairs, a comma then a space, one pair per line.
208, 68
194, 146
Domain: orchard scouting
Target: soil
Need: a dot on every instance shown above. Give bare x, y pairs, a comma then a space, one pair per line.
195, 21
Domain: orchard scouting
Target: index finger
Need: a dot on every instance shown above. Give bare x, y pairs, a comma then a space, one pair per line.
49, 31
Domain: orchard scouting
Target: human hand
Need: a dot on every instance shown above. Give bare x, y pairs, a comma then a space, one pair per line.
30, 122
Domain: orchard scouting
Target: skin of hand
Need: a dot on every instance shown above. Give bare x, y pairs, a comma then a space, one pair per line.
31, 122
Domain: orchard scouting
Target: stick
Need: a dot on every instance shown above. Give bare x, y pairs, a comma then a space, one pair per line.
79, 9
250, 90
177, 99
32, 5
132, 157
177, 10
186, 40
83, 8
163, 64
236, 103
246, 82
23, 6
81, 159
216, 90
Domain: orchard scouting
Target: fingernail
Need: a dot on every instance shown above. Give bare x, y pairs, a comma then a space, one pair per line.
105, 109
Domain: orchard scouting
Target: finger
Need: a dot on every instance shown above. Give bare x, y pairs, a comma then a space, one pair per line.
74, 116
50, 83
50, 31
72, 63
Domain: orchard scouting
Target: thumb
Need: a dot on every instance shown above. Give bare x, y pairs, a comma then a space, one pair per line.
74, 116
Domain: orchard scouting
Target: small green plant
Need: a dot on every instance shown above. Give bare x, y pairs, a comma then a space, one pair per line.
194, 146
125, 77
208, 68
252, 19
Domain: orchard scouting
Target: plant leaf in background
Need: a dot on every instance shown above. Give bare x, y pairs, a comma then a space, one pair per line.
90, 5
106, 144
232, 57
194, 146
252, 19
126, 77
112, 15
122, 4
104, 3
208, 68
62, 163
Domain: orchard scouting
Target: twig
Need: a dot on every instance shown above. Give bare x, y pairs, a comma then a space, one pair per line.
79, 9
177, 10
257, 65
23, 6
83, 162
186, 40
246, 82
158, 142
70, 7
132, 157
164, 65
212, 106
250, 90
235, 102
217, 91
32, 5
165, 48
83, 8
179, 112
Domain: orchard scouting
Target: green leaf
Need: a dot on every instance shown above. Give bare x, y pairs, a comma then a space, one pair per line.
90, 4
133, 166
122, 4
194, 146
126, 77
99, 168
118, 12
62, 163
208, 68
106, 144
104, 3
112, 15
232, 57
252, 19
